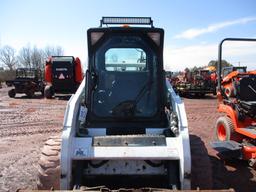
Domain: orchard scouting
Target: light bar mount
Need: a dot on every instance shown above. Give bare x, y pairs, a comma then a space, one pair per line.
126, 20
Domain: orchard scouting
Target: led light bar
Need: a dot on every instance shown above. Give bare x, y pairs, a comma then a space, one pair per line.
127, 20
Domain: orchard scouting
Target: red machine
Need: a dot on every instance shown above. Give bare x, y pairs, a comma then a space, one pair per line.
198, 82
235, 132
63, 74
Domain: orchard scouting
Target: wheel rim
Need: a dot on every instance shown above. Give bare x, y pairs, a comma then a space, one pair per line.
221, 132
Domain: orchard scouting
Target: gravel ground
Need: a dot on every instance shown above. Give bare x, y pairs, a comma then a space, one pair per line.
26, 123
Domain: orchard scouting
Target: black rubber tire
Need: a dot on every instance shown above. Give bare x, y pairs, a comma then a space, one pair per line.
49, 165
30, 93
181, 94
12, 93
202, 95
228, 126
48, 92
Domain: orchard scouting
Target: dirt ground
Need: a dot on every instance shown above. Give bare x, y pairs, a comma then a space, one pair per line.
24, 126
213, 173
26, 123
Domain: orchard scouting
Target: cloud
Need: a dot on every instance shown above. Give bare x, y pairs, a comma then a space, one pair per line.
195, 32
177, 59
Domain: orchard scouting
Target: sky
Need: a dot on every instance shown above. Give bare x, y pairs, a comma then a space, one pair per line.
193, 28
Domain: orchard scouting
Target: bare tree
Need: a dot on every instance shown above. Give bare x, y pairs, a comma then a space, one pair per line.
7, 57
53, 51
25, 57
37, 58
59, 51
48, 51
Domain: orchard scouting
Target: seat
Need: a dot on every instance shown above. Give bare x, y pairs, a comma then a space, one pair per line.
246, 88
249, 107
246, 94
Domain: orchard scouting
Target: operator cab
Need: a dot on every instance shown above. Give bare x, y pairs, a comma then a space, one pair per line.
125, 79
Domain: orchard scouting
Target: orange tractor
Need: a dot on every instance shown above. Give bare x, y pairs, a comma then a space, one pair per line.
235, 132
63, 74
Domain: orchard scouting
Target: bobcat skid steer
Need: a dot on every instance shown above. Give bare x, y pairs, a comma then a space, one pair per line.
124, 127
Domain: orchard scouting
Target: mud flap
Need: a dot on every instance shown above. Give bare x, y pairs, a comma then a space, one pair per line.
227, 149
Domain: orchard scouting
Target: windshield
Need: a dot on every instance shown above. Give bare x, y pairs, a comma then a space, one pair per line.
126, 69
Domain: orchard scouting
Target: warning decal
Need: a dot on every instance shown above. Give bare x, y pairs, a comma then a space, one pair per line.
61, 76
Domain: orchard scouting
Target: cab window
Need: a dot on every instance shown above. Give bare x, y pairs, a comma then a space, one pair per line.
125, 59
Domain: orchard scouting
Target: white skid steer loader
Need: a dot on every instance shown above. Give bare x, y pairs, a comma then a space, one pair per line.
124, 127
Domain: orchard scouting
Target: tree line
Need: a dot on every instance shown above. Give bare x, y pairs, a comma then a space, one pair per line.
27, 56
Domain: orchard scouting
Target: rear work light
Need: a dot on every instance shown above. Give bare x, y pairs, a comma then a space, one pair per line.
127, 20
95, 36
